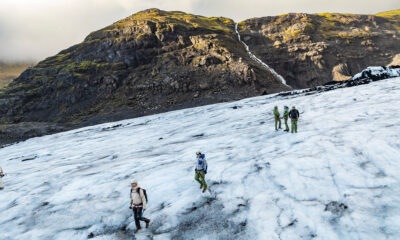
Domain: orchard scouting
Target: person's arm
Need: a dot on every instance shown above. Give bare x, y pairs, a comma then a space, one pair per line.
205, 165
130, 205
143, 198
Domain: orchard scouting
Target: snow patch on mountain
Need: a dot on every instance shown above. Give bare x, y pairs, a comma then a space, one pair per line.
381, 72
255, 58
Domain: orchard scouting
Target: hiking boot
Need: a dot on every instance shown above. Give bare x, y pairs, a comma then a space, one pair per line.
201, 186
148, 224
204, 189
137, 230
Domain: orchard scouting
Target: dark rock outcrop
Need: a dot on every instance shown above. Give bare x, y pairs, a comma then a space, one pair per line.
311, 49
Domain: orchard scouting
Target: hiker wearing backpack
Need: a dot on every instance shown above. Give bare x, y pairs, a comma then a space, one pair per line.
201, 170
277, 118
294, 117
286, 117
138, 205
1, 179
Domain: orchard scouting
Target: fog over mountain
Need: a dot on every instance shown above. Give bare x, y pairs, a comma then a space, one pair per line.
34, 30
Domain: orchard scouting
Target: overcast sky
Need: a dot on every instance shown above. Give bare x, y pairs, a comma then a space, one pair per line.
35, 29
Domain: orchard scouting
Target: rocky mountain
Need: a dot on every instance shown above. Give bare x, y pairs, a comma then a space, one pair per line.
156, 61
312, 49
150, 62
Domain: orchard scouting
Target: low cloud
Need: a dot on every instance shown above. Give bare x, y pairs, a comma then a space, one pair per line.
33, 30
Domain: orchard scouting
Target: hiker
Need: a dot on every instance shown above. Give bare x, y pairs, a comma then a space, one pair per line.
138, 204
277, 118
201, 170
286, 117
1, 179
294, 116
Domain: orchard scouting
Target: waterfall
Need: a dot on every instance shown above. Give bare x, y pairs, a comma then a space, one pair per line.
252, 56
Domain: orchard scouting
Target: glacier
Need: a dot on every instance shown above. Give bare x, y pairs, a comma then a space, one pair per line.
338, 178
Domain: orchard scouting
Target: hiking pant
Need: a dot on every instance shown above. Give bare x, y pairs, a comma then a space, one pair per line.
276, 123
286, 125
200, 177
137, 213
1, 183
294, 125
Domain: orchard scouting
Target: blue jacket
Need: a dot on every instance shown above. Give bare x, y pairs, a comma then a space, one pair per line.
201, 163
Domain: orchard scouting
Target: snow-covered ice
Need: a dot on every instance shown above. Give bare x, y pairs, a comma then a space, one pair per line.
338, 178
379, 72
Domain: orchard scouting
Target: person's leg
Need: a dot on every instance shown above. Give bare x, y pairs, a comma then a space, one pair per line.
141, 218
203, 180
292, 123
280, 123
136, 215
295, 126
276, 124
286, 125
197, 178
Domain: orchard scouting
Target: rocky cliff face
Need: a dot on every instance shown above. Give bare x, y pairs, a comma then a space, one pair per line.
312, 49
150, 62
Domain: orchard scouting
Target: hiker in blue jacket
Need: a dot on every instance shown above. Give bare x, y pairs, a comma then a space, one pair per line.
201, 170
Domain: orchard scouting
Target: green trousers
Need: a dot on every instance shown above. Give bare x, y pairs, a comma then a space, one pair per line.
294, 125
276, 123
200, 177
286, 125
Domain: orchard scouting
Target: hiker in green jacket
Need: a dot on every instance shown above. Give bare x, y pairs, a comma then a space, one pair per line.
277, 118
286, 117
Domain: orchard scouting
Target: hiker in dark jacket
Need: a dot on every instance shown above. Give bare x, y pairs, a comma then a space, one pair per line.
201, 170
294, 117
138, 205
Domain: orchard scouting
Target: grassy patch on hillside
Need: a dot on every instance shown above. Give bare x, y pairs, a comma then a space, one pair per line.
394, 14
219, 24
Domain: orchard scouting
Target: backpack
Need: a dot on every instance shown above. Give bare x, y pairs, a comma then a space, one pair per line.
144, 192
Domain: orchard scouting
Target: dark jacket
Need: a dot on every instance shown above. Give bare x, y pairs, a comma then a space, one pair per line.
294, 114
